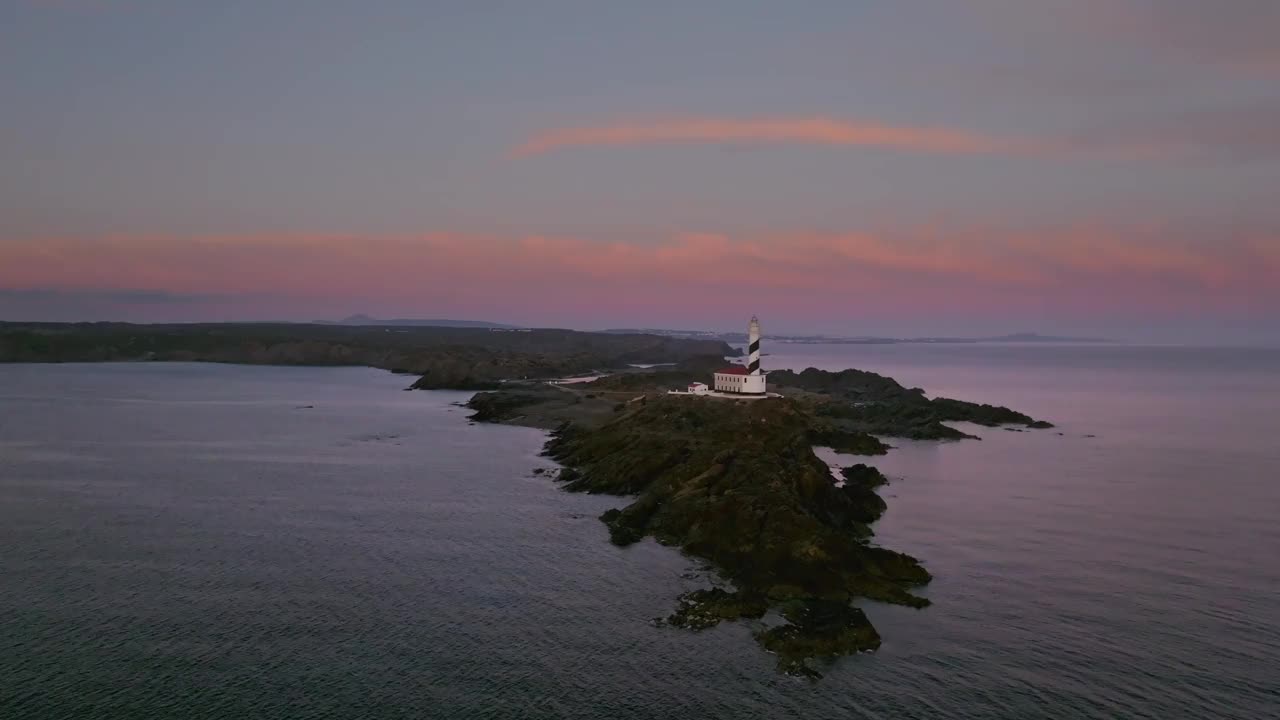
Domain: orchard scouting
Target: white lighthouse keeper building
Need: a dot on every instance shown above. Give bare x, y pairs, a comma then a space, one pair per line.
749, 380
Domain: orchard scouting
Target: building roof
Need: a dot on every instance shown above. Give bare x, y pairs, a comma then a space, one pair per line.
732, 370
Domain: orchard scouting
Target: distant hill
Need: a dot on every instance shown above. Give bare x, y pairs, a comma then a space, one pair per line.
740, 337
695, 334
362, 319
458, 358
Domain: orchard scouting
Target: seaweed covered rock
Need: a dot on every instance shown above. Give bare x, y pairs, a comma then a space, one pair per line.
500, 406
848, 442
739, 484
702, 609
913, 420
981, 414
864, 477
860, 484
852, 385
858, 400
538, 404
818, 629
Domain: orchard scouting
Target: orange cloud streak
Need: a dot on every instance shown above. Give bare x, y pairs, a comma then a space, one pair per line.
813, 130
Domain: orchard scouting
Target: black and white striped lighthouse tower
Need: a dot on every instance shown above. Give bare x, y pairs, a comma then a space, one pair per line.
753, 348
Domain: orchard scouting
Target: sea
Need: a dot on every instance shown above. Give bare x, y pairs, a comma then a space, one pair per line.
214, 541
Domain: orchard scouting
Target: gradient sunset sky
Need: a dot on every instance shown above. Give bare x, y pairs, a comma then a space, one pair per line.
901, 167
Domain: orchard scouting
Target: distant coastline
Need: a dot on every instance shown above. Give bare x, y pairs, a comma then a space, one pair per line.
456, 358
739, 338
365, 320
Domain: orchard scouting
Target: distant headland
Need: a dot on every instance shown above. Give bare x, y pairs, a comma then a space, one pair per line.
461, 358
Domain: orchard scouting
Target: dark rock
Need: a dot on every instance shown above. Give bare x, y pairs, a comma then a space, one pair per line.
500, 406
818, 629
876, 404
702, 609
863, 476
980, 414
849, 442
739, 485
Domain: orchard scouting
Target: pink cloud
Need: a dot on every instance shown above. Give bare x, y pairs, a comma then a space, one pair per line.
805, 130
1248, 131
844, 273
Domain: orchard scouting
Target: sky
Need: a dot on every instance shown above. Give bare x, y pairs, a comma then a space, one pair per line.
881, 167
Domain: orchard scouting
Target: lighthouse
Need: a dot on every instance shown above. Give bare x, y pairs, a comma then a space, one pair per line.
749, 380
753, 347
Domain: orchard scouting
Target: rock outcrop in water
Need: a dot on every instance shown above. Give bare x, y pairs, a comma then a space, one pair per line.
854, 404
738, 483
871, 403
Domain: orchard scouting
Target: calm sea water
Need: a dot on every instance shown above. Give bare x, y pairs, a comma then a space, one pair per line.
199, 541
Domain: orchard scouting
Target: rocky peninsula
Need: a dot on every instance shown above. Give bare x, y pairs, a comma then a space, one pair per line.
737, 483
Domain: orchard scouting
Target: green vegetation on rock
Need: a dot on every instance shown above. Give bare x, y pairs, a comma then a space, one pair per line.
842, 440
738, 483
818, 629
858, 400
